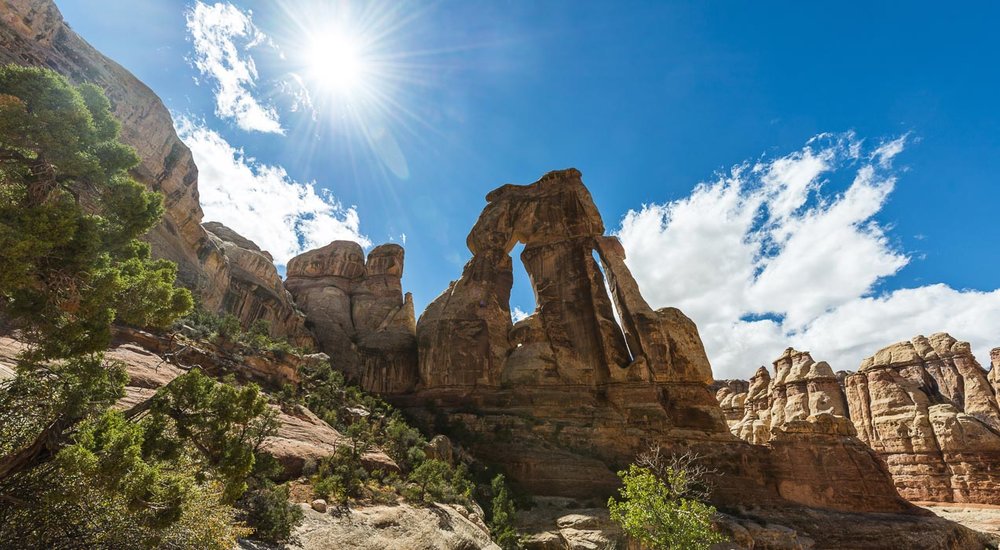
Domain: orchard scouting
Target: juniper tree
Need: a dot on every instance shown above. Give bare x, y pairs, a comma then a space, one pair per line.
70, 219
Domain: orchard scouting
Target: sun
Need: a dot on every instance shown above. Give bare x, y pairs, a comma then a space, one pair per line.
336, 62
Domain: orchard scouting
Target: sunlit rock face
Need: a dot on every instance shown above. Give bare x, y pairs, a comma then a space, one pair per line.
801, 388
32, 32
255, 289
357, 310
928, 408
565, 396
994, 374
925, 406
731, 395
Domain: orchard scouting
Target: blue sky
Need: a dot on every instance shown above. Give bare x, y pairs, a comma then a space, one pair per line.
648, 100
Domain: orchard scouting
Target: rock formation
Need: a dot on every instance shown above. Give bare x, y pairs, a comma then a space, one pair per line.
755, 426
927, 408
566, 395
994, 375
803, 387
396, 525
32, 32
255, 289
358, 312
731, 395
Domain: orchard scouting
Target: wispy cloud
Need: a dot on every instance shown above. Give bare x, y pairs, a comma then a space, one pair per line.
222, 35
766, 256
261, 202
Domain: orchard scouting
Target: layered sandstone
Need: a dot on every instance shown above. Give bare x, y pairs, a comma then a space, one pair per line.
927, 407
255, 290
358, 312
731, 395
32, 32
755, 426
801, 388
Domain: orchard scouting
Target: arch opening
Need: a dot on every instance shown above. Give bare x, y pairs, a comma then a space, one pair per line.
614, 304
523, 301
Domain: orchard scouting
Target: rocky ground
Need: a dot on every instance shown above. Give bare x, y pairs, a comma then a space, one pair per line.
984, 518
400, 526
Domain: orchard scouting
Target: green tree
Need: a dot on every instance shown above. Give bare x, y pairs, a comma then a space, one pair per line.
70, 218
226, 424
502, 512
403, 443
267, 509
436, 481
657, 508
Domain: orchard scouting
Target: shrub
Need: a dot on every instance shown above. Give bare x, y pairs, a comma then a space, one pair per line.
502, 512
436, 481
268, 511
657, 507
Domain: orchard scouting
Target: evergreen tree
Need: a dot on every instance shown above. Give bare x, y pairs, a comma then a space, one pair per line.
502, 512
70, 218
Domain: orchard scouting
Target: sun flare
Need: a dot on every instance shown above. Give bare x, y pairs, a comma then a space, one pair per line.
336, 62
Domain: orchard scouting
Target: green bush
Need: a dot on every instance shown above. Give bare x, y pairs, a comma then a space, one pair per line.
204, 325
268, 512
657, 508
436, 481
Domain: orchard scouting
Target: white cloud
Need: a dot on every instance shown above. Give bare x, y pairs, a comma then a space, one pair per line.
767, 257
222, 34
261, 202
517, 314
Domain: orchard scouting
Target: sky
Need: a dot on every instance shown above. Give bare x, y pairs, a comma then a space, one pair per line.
786, 173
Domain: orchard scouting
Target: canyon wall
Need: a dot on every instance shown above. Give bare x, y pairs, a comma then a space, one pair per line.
32, 32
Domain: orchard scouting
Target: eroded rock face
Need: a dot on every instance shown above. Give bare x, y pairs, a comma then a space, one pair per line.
755, 426
32, 32
357, 310
564, 396
994, 375
255, 289
927, 408
802, 388
731, 395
